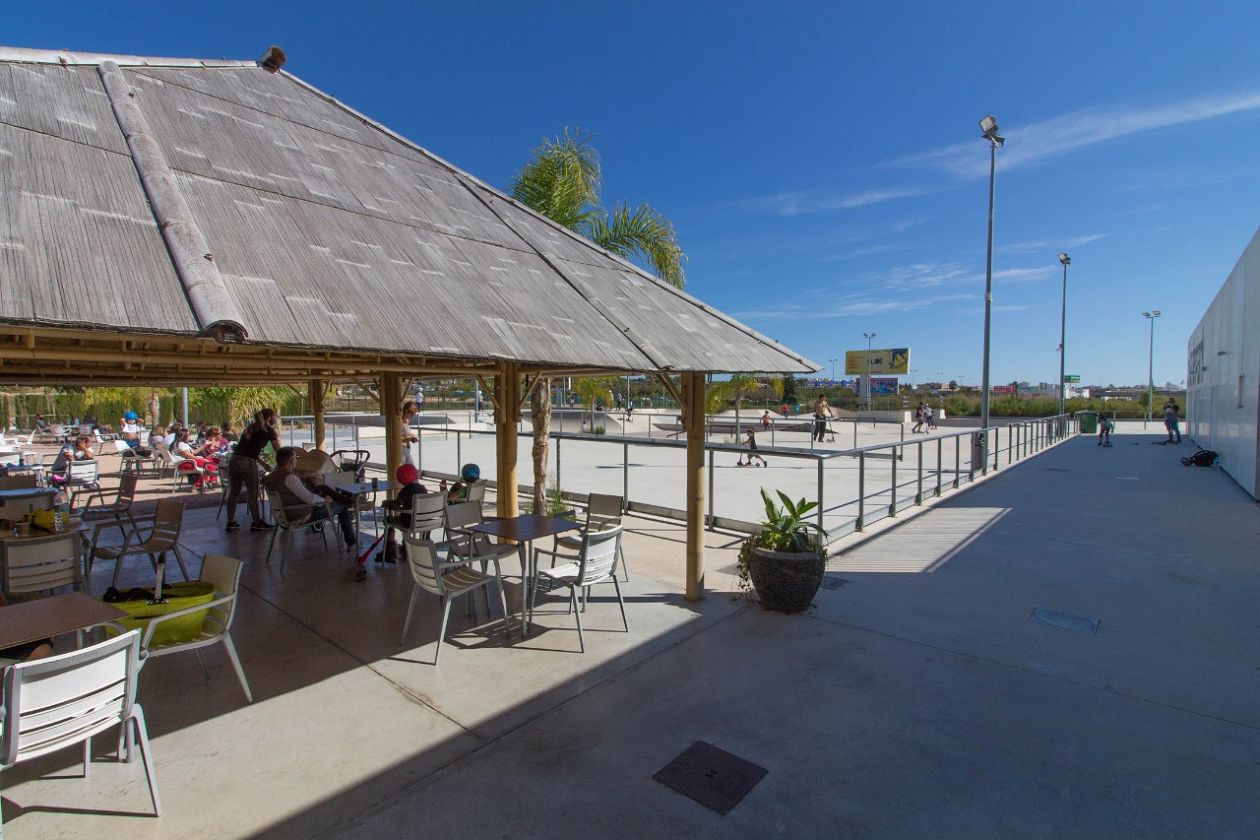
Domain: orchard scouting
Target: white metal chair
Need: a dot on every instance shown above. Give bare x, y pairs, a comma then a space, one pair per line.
595, 565
168, 521
291, 517
224, 574
82, 474
447, 581
119, 508
41, 564
470, 545
603, 511
181, 468
131, 461
69, 699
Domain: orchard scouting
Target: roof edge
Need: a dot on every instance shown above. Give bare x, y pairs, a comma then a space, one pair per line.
28, 55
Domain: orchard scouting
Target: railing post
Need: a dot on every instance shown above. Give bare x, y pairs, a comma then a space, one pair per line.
625, 475
918, 496
1010, 442
940, 444
558, 484
892, 502
984, 454
710, 494
855, 431
772, 425
820, 499
861, 490
957, 460
420, 447
459, 452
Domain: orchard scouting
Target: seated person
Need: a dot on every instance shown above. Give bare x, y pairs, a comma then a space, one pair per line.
80, 450
469, 474
308, 504
157, 437
195, 454
400, 509
41, 425
130, 434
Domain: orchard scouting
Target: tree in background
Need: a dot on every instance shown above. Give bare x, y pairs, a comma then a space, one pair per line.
736, 389
561, 181
238, 403
593, 390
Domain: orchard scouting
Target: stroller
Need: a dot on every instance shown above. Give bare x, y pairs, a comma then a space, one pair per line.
352, 461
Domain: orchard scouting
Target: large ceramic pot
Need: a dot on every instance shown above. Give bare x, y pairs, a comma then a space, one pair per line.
786, 580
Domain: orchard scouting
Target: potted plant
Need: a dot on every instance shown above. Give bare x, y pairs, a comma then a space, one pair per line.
786, 560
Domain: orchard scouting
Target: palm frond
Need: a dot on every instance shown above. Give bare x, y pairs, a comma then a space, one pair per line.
561, 179
642, 235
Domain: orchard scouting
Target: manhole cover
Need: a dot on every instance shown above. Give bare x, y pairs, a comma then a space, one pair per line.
711, 776
1066, 621
833, 582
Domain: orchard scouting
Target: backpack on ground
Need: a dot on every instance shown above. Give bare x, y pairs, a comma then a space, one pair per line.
1202, 458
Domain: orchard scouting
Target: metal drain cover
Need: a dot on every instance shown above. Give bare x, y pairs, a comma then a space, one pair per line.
833, 582
1066, 621
716, 779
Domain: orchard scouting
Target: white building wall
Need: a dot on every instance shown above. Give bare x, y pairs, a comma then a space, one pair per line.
1223, 373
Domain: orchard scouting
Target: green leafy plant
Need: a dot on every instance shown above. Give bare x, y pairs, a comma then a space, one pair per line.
599, 430
784, 528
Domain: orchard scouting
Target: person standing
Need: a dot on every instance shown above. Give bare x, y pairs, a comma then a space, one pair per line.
822, 413
408, 434
750, 439
1172, 421
919, 419
246, 464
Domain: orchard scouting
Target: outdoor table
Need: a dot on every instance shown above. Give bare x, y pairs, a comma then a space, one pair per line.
44, 618
362, 488
26, 492
524, 530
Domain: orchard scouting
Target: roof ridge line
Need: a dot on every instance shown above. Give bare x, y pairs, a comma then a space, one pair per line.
71, 58
214, 308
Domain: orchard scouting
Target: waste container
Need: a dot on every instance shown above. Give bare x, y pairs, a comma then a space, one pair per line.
1088, 421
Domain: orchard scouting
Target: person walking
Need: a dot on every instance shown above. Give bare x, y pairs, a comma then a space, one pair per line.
765, 420
408, 435
929, 416
750, 440
919, 419
1172, 421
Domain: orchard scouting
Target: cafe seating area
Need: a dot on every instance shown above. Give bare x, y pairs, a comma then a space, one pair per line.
275, 633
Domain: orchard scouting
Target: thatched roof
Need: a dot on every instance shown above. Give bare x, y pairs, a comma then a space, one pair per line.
158, 198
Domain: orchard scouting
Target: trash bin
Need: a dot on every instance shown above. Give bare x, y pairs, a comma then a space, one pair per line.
1088, 421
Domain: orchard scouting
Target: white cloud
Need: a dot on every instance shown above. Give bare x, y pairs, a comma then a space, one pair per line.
803, 202
1080, 129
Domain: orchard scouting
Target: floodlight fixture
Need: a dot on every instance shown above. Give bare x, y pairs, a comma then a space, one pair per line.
1064, 259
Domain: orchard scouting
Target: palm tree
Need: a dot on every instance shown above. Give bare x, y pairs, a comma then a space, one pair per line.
561, 181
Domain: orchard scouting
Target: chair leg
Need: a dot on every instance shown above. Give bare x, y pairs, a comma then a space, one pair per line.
577, 614
446, 615
415, 592
621, 560
179, 558
507, 627
621, 603
236, 664
201, 660
121, 529
137, 716
275, 532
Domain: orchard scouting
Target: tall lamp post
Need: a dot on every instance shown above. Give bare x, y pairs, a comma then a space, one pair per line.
869, 395
1065, 261
1150, 367
833, 371
989, 130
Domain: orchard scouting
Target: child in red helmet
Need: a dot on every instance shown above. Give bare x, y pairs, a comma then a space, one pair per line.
400, 517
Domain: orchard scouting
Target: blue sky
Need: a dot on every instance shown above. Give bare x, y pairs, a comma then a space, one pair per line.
822, 161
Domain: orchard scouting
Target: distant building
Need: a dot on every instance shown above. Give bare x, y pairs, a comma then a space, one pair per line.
1223, 369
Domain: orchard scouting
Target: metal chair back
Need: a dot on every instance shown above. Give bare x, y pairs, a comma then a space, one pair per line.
599, 554
40, 564
167, 523
422, 560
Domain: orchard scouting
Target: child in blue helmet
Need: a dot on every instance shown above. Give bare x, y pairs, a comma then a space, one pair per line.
469, 474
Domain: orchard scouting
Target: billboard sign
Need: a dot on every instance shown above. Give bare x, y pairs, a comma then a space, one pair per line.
883, 384
1003, 389
890, 361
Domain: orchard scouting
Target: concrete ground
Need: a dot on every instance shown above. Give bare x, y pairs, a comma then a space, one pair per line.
917, 698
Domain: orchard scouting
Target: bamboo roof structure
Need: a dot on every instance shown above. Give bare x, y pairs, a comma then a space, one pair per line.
176, 221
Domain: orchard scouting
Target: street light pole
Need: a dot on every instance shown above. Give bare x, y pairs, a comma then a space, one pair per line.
1150, 367
989, 130
869, 395
833, 370
1065, 260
